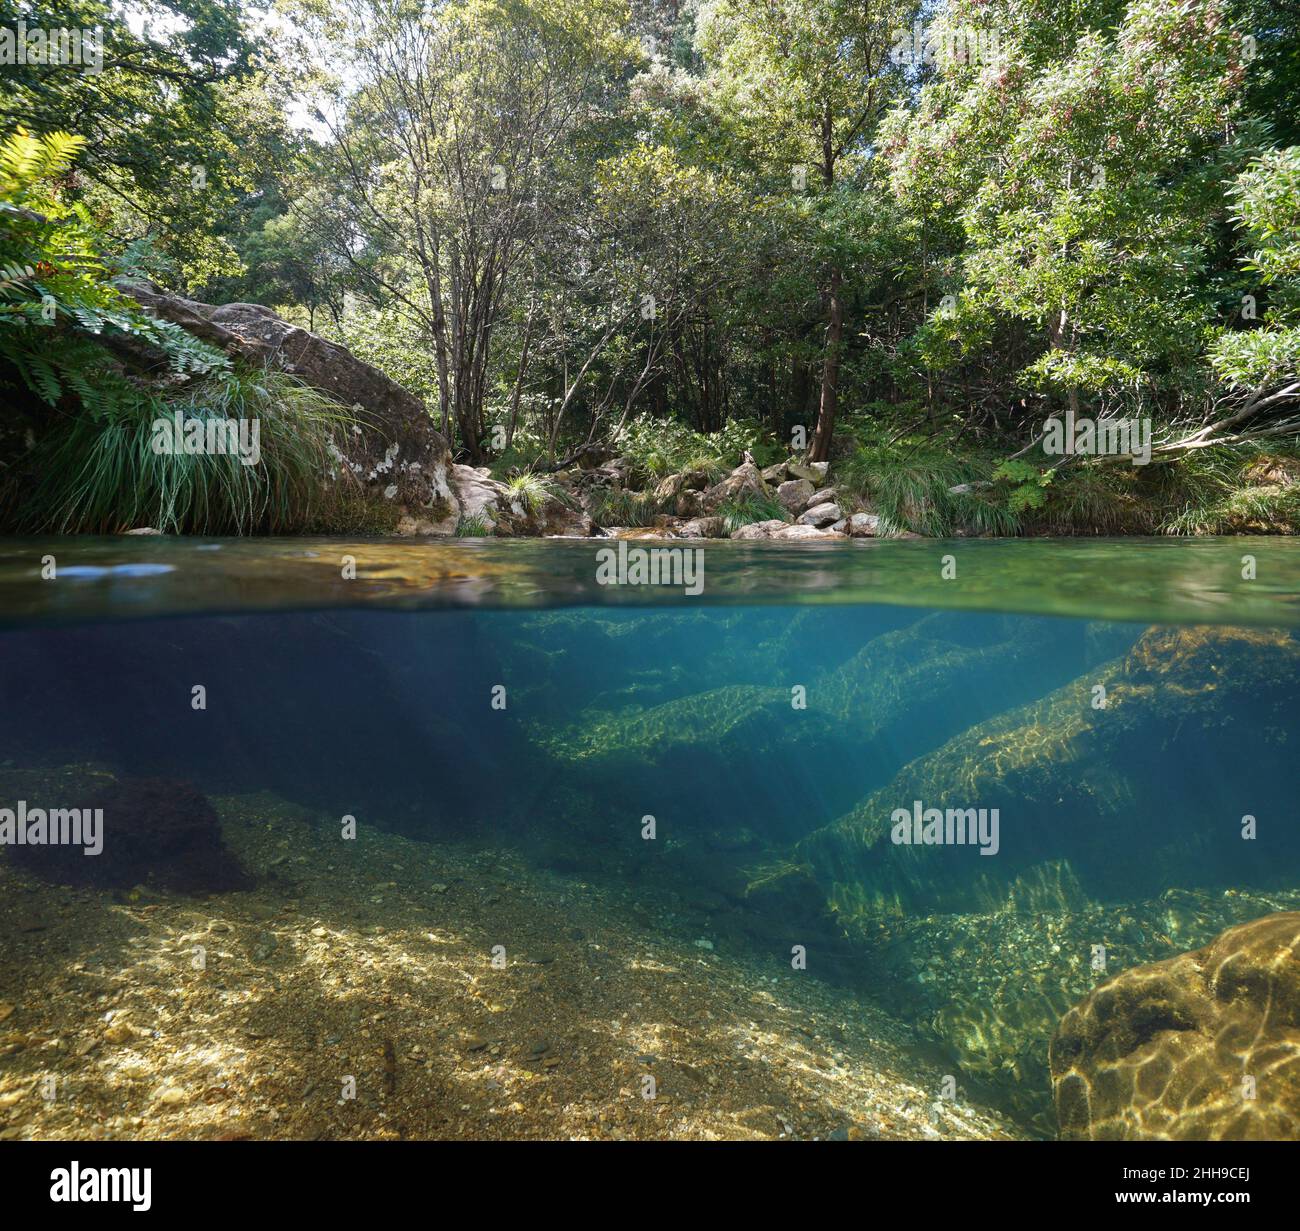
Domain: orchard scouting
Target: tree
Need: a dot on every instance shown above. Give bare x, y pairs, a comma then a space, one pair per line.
808, 81
1086, 171
177, 120
443, 154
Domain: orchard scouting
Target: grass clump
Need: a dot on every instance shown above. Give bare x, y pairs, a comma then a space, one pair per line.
909, 485
475, 526
624, 508
99, 473
748, 508
1249, 490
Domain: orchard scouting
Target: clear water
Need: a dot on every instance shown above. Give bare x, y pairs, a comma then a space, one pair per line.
490, 697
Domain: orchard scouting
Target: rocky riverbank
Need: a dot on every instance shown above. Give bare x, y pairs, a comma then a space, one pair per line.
789, 501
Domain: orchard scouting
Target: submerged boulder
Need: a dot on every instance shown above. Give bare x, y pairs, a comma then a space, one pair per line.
1107, 793
1203, 1046
1072, 777
155, 831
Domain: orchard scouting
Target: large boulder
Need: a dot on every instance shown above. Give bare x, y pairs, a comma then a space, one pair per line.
482, 498
703, 528
863, 525
804, 532
396, 449
745, 480
795, 494
758, 529
821, 515
1201, 1047
814, 472
1063, 773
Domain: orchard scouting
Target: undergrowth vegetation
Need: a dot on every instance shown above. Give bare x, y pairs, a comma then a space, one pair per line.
93, 375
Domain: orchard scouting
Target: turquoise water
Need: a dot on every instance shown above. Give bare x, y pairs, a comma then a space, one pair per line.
1099, 716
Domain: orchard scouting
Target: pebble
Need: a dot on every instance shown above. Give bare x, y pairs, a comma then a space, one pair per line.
119, 1032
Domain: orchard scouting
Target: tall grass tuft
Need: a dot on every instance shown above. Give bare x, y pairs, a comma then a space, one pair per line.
623, 508
100, 474
749, 508
908, 485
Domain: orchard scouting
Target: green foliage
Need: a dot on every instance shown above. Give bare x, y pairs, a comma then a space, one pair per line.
99, 473
1248, 490
1074, 221
476, 526
1266, 204
908, 484
533, 491
62, 298
1027, 485
94, 466
659, 447
1085, 173
748, 508
624, 508
178, 120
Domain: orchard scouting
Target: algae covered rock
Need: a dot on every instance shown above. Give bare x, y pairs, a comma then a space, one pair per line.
1117, 773
1203, 1046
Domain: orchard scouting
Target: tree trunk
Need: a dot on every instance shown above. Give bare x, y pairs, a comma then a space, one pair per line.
821, 447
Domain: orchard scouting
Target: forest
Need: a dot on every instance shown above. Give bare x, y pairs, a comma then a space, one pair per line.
915, 242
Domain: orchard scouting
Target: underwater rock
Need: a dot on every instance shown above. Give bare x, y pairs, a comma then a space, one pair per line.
1067, 777
1203, 1046
156, 832
806, 729
1115, 805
